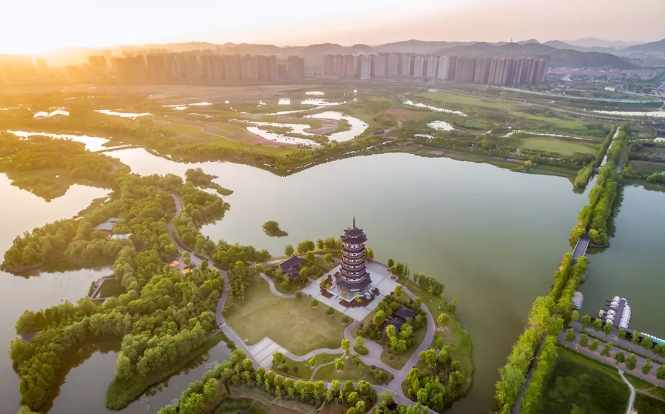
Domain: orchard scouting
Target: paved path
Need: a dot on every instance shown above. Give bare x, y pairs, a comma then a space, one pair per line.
269, 346
274, 290
529, 374
575, 346
631, 401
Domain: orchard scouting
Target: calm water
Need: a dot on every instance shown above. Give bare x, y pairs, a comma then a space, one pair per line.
633, 265
493, 236
22, 211
357, 126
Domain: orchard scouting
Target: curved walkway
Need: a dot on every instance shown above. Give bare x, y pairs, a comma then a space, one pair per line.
274, 290
399, 375
631, 401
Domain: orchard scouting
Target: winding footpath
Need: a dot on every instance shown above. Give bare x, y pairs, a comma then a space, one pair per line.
631, 401
372, 358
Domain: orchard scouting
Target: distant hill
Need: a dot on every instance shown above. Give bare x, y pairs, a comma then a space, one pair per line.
592, 42
557, 57
563, 45
417, 46
658, 46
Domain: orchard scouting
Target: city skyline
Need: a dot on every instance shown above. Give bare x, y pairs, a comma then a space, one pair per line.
45, 26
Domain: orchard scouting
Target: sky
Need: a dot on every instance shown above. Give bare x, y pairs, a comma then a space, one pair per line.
35, 26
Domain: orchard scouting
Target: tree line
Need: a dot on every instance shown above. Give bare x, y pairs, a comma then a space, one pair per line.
584, 174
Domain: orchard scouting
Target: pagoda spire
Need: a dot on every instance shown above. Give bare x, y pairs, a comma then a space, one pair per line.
354, 222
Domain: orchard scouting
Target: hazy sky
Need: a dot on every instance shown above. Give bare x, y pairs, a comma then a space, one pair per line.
31, 26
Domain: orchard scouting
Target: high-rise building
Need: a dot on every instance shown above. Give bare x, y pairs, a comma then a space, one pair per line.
365, 67
418, 66
394, 65
295, 67
349, 66
97, 65
381, 66
452, 67
465, 69
329, 65
131, 68
406, 68
499, 69
339, 65
249, 67
482, 72
541, 68
432, 66
444, 65
156, 66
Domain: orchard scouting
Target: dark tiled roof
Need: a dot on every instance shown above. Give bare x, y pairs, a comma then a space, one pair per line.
396, 322
363, 284
290, 264
405, 313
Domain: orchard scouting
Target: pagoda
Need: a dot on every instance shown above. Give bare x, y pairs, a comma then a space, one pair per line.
353, 276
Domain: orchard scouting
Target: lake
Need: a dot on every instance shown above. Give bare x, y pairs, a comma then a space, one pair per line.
493, 236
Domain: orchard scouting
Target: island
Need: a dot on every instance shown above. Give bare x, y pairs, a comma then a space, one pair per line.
271, 228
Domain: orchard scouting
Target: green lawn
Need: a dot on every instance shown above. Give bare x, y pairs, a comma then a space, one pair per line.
182, 129
551, 144
304, 369
580, 384
111, 287
350, 372
649, 399
292, 323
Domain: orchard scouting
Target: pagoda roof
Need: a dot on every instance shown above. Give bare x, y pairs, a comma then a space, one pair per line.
405, 313
354, 234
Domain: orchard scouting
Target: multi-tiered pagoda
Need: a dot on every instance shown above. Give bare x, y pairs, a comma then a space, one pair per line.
353, 276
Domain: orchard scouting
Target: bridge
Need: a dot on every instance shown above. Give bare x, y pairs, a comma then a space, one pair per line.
581, 247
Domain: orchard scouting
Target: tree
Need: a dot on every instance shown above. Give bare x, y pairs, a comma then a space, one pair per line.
575, 316
309, 256
369, 254
584, 340
598, 324
312, 361
288, 250
339, 364
660, 374
621, 333
659, 349
635, 338
352, 398
620, 357
594, 345
303, 274
442, 319
335, 386
305, 246
607, 328
360, 406
186, 258
358, 343
606, 351
586, 321
346, 346
328, 258
320, 244
631, 362
646, 368
278, 358
379, 318
391, 262
570, 335
398, 290
452, 307
647, 343
364, 388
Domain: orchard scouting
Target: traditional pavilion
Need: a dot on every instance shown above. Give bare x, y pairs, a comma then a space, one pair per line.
353, 277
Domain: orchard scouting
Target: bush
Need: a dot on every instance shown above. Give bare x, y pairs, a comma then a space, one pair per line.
330, 311
346, 319
298, 294
314, 302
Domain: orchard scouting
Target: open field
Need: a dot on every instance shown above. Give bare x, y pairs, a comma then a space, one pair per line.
300, 328
350, 372
551, 144
579, 384
649, 399
304, 369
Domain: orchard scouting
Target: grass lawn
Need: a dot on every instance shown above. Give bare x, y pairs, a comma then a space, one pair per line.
304, 369
551, 144
292, 323
350, 372
240, 405
580, 384
650, 399
461, 346
111, 287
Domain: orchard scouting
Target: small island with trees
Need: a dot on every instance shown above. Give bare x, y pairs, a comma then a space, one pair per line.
271, 228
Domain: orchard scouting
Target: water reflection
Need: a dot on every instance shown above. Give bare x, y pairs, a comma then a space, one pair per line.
91, 143
123, 114
441, 126
357, 126
434, 108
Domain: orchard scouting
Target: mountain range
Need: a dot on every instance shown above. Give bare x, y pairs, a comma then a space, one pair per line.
587, 52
